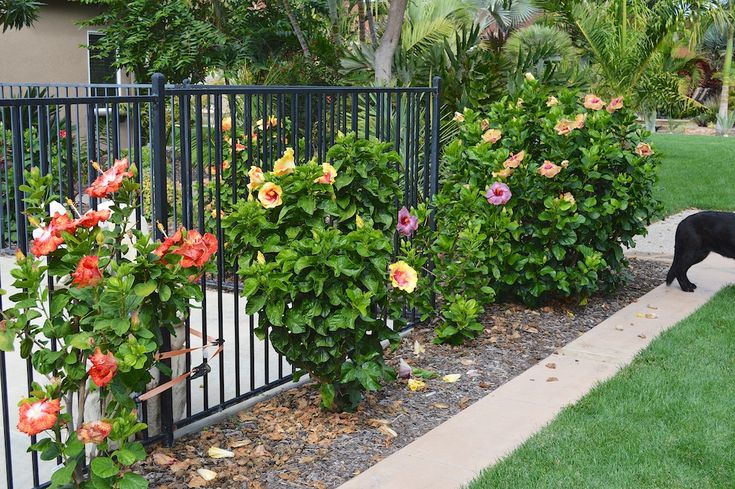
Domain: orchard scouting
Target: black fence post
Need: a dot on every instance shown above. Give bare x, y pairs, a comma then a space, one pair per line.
160, 223
18, 178
435, 134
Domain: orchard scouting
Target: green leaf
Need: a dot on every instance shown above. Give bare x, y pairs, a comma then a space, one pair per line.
64, 475
164, 293
274, 311
133, 481
307, 203
104, 467
249, 286
255, 304
145, 289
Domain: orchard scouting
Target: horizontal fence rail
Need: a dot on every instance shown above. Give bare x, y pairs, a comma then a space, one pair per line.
191, 145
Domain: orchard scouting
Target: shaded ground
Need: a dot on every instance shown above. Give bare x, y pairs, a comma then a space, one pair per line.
288, 442
663, 421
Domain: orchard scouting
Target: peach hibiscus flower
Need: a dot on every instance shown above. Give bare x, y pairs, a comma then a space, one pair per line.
644, 149
492, 136
549, 169
402, 276
328, 176
514, 160
593, 102
285, 164
269, 195
615, 104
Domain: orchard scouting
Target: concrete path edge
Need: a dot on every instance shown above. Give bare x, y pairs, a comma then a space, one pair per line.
455, 452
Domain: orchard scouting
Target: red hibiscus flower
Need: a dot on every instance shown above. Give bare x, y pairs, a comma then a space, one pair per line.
94, 432
91, 218
88, 272
62, 134
110, 180
103, 369
169, 242
35, 417
196, 249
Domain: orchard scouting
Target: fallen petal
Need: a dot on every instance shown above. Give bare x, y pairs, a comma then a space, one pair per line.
451, 378
216, 452
404, 369
418, 349
416, 385
207, 474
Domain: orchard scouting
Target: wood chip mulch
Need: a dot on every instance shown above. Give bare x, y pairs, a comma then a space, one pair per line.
287, 442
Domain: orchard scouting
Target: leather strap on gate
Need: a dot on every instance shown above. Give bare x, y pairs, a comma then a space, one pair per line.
198, 371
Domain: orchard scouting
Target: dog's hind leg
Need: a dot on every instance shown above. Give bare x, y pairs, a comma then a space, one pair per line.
688, 258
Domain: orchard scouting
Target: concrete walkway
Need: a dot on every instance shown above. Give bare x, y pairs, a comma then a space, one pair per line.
455, 452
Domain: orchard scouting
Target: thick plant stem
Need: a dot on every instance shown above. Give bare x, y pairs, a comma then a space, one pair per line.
724, 111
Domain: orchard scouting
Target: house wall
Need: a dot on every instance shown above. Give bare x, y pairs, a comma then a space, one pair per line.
50, 51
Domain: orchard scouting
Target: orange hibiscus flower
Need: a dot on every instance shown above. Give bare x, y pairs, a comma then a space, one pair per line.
110, 180
103, 369
196, 249
94, 432
88, 273
269, 195
91, 218
38, 416
330, 173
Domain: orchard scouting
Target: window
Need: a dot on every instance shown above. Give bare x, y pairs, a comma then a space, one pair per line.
101, 69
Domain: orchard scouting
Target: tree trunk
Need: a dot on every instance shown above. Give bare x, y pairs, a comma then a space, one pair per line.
296, 28
371, 23
389, 42
724, 112
361, 19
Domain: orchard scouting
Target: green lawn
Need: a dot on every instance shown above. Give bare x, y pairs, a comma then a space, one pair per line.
665, 421
697, 171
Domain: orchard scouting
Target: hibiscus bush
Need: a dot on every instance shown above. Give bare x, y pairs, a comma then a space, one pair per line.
98, 329
539, 196
315, 264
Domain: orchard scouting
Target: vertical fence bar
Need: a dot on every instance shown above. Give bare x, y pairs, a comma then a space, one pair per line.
18, 168
160, 223
437, 83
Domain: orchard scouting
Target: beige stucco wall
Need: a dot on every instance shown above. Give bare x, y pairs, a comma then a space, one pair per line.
49, 51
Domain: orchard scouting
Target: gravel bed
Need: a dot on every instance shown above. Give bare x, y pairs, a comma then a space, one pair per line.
287, 442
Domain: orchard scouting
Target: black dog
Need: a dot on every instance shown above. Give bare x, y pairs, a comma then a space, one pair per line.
697, 236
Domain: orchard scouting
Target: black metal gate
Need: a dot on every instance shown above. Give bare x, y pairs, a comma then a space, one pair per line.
177, 136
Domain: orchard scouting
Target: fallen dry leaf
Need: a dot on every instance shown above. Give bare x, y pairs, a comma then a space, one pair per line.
551, 365
473, 373
464, 402
160, 458
260, 451
240, 444
651, 307
642, 336
451, 378
197, 481
467, 361
388, 431
552, 379
440, 405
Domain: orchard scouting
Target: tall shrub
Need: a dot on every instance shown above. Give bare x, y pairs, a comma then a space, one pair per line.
99, 329
315, 264
539, 196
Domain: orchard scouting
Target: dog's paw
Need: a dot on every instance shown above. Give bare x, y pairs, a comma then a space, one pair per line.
688, 287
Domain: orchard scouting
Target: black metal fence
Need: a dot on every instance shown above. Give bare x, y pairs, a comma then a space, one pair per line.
183, 139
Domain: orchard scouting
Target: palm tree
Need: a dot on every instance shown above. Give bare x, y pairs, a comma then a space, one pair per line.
17, 14
622, 37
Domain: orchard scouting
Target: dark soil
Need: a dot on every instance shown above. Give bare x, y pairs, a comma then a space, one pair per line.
287, 442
